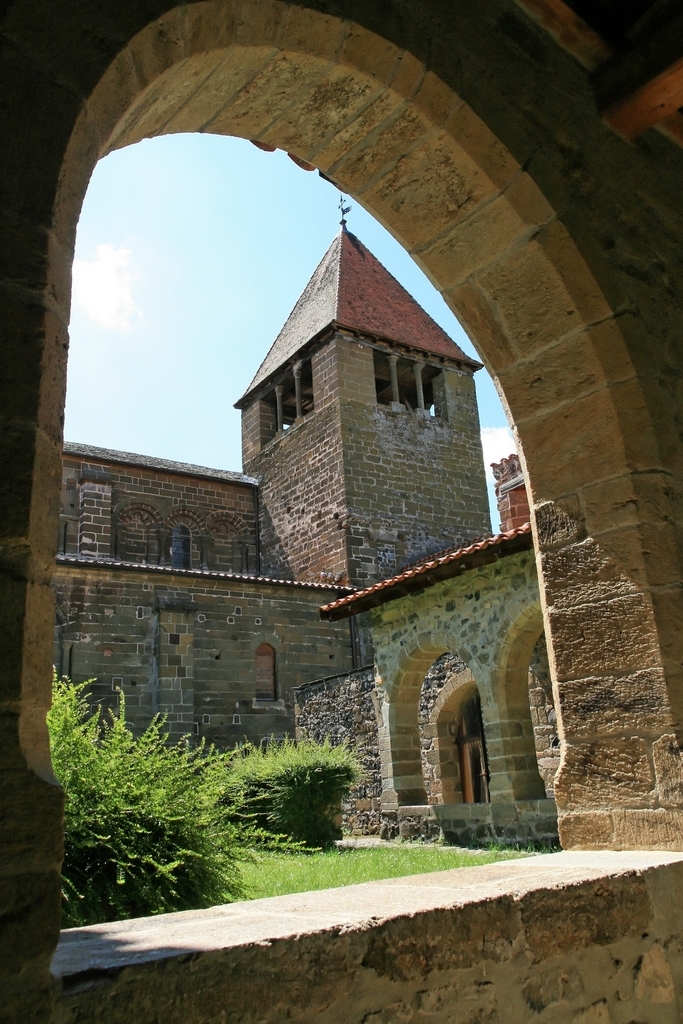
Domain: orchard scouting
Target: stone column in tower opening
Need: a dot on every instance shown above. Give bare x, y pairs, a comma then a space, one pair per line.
417, 370
297, 389
395, 397
278, 397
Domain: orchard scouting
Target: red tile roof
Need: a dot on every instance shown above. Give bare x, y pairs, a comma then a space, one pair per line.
435, 569
372, 301
350, 288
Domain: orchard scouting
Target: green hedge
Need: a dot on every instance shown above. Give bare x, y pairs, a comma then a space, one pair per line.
294, 789
152, 827
148, 828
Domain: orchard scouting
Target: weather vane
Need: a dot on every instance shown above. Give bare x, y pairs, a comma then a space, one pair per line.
343, 210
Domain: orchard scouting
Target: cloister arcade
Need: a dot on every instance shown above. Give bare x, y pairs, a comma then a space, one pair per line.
478, 140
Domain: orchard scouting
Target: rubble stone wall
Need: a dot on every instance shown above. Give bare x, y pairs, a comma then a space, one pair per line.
343, 709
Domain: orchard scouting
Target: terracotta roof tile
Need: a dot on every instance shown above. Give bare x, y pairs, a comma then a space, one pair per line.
350, 288
419, 575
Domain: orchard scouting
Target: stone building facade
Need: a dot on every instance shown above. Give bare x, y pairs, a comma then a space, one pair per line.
159, 599
557, 241
458, 641
195, 592
361, 426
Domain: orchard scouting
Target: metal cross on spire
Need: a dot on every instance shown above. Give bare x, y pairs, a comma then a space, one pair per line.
343, 210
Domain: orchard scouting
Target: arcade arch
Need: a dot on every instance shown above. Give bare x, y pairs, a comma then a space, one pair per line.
587, 358
385, 128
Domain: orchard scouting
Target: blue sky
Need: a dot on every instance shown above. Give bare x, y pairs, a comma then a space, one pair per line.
191, 252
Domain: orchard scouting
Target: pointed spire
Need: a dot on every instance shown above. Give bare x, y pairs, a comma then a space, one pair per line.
350, 288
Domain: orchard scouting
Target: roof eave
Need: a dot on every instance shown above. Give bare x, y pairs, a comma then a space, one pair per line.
457, 362
427, 577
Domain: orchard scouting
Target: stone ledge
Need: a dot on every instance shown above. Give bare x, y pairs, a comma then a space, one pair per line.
347, 954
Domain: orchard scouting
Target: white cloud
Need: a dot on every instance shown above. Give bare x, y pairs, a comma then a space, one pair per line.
102, 288
497, 443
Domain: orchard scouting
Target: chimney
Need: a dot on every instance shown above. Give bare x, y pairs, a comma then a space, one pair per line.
513, 503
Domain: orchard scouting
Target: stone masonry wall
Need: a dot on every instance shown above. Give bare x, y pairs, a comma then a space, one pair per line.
343, 709
100, 496
358, 489
184, 645
347, 708
301, 500
578, 938
543, 716
435, 679
414, 482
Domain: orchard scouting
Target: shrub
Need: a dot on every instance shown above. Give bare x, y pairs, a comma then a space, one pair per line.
294, 789
148, 828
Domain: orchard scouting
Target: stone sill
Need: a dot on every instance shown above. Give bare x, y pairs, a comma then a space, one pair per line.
274, 705
90, 957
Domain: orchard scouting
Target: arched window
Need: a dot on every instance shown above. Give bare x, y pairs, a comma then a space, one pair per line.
181, 547
474, 775
265, 673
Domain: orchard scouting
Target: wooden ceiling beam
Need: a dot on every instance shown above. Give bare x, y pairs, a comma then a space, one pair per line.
643, 86
569, 31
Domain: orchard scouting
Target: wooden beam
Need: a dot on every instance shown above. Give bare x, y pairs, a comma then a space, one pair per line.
648, 105
673, 127
644, 85
569, 31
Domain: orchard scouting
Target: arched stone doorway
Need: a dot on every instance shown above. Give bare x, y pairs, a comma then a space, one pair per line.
454, 763
555, 243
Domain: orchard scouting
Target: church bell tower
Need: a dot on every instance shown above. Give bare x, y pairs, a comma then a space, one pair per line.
361, 426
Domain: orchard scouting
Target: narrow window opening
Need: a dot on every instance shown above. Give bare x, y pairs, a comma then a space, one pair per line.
181, 547
407, 390
265, 673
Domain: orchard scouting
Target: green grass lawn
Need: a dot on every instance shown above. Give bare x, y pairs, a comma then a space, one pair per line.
274, 874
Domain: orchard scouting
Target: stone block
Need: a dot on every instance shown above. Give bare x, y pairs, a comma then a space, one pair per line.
445, 186
310, 124
617, 638
605, 774
601, 706
585, 915
274, 87
472, 244
389, 142
482, 146
370, 53
647, 829
259, 22
476, 314
311, 32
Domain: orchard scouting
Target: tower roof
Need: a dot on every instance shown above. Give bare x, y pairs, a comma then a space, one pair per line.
350, 288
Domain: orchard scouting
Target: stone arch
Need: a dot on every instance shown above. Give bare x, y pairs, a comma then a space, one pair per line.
227, 539
377, 121
510, 739
444, 715
490, 618
601, 444
228, 522
402, 772
137, 533
196, 524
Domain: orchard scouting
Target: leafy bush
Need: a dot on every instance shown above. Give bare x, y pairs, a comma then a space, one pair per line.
148, 826
294, 789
